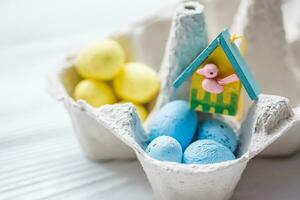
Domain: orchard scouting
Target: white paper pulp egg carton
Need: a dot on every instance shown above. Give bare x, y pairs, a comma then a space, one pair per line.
115, 131
145, 42
268, 119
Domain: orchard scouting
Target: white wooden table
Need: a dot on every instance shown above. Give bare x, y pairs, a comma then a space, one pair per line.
39, 154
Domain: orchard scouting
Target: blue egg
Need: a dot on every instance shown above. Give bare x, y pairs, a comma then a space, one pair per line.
206, 152
165, 148
175, 119
218, 131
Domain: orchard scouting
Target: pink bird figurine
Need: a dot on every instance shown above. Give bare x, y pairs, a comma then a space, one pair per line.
211, 83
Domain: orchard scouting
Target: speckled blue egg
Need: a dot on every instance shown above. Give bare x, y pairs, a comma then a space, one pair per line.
218, 131
165, 148
175, 119
206, 152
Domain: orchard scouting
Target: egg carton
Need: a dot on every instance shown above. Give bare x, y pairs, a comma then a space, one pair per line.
145, 42
268, 119
115, 131
268, 52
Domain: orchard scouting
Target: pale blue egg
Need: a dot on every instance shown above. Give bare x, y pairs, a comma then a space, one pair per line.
165, 148
206, 152
175, 119
218, 131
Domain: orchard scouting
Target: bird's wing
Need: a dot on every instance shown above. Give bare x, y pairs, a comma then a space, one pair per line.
229, 79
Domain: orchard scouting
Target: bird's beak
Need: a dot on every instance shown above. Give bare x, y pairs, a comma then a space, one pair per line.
200, 71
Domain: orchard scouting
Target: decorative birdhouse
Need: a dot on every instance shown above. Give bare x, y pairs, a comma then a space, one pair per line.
217, 75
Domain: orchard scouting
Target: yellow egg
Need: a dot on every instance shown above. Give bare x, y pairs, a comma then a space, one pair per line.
136, 82
141, 110
100, 60
94, 93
